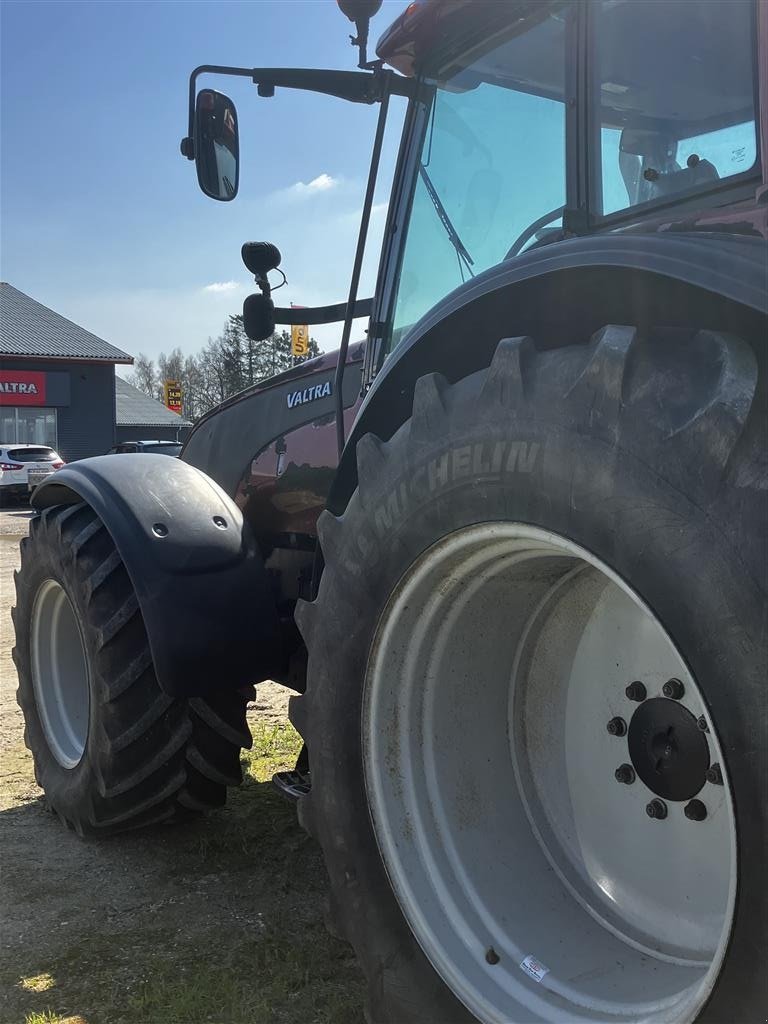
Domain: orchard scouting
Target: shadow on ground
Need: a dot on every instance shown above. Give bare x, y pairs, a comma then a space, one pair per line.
219, 920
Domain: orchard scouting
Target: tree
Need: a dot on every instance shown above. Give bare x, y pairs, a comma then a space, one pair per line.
193, 389
143, 376
232, 351
222, 368
213, 375
262, 359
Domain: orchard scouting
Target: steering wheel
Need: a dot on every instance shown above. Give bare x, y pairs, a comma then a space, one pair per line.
531, 230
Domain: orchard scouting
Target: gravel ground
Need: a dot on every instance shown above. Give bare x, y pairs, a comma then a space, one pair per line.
219, 920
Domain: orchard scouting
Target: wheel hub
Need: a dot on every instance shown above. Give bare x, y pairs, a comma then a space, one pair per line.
667, 749
60, 674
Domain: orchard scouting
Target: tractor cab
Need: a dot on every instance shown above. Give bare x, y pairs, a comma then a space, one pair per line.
528, 124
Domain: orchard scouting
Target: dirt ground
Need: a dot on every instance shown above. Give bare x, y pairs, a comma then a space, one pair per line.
217, 921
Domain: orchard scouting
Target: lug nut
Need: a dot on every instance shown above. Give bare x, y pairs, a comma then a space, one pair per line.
715, 774
625, 773
617, 727
636, 691
656, 809
702, 723
695, 810
673, 689
491, 956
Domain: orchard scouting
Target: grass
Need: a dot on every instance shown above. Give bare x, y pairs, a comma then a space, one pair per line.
52, 1018
275, 748
235, 937
37, 983
278, 976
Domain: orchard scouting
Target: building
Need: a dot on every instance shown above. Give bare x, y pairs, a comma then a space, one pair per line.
140, 417
57, 380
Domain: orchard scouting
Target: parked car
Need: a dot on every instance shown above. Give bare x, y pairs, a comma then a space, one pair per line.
24, 466
158, 447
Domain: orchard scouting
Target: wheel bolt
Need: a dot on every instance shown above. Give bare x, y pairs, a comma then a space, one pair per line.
617, 727
702, 723
491, 956
656, 809
625, 773
695, 810
636, 691
673, 689
715, 774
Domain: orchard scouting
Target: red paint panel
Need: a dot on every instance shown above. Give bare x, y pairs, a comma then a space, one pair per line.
22, 387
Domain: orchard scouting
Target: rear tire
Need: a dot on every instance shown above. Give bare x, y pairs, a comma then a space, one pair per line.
639, 458
111, 750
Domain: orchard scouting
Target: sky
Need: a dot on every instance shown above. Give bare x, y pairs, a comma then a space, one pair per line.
102, 219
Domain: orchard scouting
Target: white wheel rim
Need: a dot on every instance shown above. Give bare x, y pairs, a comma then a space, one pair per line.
534, 881
60, 675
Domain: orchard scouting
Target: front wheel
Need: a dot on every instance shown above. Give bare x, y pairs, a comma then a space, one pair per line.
535, 701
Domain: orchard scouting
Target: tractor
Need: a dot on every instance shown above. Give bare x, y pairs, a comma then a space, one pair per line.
511, 552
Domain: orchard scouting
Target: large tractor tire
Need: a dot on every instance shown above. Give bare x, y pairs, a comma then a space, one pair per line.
536, 698
111, 750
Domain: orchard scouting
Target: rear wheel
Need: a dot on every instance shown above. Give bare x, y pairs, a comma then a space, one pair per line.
111, 750
535, 701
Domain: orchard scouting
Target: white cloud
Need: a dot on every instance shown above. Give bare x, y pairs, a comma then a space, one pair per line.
322, 183
218, 287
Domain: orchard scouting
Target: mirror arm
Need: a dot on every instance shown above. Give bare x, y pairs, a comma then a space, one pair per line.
311, 315
187, 144
355, 86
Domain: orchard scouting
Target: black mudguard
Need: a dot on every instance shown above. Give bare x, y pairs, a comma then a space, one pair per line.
196, 570
562, 293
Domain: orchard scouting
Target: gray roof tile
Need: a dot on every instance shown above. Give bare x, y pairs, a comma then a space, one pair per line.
28, 328
135, 409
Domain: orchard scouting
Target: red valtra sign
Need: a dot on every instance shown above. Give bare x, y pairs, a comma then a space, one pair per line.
22, 387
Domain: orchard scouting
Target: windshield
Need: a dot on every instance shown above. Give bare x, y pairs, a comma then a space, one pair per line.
162, 449
492, 165
32, 455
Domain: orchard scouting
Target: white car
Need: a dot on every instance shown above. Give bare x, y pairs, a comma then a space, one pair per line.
23, 466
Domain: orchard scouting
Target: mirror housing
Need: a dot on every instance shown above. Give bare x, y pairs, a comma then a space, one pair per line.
259, 317
216, 145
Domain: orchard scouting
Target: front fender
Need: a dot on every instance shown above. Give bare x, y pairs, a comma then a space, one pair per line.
198, 576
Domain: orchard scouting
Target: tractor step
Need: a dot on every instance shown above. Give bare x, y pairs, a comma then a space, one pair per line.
292, 785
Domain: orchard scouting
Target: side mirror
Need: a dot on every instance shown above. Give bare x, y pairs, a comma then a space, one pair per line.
216, 145
259, 317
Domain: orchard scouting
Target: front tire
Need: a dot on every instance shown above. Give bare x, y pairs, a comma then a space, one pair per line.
538, 537
111, 750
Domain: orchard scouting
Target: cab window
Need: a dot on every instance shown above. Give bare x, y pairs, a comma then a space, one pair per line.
673, 99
